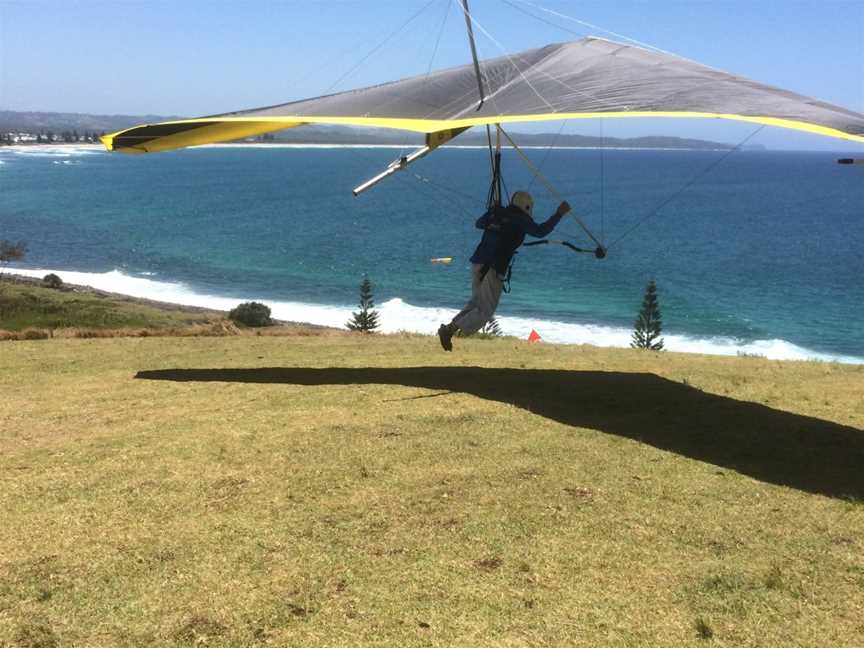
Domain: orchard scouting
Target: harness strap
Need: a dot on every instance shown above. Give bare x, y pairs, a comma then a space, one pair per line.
505, 281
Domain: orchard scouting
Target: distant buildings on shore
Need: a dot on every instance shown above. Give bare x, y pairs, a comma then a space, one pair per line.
49, 137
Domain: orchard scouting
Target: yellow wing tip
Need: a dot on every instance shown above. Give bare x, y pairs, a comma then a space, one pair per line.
108, 141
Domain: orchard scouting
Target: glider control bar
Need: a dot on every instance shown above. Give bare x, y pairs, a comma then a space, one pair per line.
598, 252
433, 141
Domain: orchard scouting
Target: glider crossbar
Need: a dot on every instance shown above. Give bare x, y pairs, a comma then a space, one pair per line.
551, 189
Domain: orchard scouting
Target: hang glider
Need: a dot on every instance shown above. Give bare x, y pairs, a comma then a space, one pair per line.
588, 78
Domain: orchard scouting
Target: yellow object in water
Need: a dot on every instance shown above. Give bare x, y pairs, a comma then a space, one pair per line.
442, 260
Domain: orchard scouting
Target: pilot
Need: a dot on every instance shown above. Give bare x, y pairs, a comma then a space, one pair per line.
504, 230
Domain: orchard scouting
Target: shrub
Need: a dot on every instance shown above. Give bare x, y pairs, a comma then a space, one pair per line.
251, 314
10, 251
703, 630
51, 280
34, 334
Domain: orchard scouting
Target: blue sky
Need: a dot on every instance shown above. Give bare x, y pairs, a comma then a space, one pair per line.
194, 58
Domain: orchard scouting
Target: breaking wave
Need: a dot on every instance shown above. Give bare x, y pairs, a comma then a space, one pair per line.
396, 315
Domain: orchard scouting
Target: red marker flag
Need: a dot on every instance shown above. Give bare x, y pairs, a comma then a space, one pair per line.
534, 336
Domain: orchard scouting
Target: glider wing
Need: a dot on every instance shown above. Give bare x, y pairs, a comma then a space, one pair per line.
587, 78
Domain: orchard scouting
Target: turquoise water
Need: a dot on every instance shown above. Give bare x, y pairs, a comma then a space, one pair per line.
761, 255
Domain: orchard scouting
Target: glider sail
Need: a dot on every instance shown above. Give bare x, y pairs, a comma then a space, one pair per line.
588, 78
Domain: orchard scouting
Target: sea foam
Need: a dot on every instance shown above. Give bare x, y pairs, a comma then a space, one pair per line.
62, 151
396, 315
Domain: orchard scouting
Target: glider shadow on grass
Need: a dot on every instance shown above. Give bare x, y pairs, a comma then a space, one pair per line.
771, 445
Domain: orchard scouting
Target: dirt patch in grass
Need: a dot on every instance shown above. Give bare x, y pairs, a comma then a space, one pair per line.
488, 564
199, 630
35, 634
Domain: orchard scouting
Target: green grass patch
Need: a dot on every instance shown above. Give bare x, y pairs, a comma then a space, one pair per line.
24, 306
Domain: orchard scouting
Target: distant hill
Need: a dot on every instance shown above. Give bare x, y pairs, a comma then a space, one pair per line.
36, 122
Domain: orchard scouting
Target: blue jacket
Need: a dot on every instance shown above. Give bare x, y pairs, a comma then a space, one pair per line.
504, 230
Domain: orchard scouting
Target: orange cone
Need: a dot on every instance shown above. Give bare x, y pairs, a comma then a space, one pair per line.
534, 336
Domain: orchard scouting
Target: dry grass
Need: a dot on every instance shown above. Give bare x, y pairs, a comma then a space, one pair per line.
341, 489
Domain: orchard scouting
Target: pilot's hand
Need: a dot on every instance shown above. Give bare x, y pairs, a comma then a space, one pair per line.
563, 208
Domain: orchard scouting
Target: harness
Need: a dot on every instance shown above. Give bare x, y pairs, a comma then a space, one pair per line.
510, 236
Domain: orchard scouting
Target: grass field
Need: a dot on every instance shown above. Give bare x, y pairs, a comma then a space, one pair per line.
330, 489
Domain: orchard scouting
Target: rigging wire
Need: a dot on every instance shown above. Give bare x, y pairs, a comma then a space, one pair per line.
593, 26
441, 200
489, 141
690, 183
442, 187
549, 186
405, 142
602, 180
509, 58
543, 20
500, 130
438, 40
380, 45
548, 151
535, 69
644, 45
536, 171
447, 201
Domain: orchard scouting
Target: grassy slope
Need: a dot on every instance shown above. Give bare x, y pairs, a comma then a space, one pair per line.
508, 494
29, 305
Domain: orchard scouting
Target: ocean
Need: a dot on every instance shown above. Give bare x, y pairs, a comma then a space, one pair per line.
762, 254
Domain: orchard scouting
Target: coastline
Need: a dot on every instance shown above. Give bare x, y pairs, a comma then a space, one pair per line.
404, 309
397, 316
60, 146
36, 282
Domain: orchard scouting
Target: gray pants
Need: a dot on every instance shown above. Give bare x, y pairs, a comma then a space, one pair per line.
485, 294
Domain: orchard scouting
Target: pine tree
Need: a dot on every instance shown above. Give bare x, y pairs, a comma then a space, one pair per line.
366, 320
648, 324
